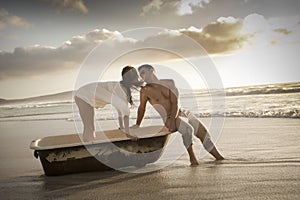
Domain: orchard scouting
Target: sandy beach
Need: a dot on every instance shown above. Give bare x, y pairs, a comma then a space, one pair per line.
262, 162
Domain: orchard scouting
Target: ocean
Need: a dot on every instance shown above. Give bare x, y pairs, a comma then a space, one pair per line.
261, 101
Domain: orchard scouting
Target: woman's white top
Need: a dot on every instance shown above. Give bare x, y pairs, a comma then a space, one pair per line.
99, 94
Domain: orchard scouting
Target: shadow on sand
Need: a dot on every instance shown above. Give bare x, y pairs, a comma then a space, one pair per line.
45, 187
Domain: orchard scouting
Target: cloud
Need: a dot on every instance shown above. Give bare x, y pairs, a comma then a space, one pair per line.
225, 35
255, 23
179, 7
223, 28
8, 19
36, 60
218, 37
154, 5
221, 36
73, 4
283, 31
272, 31
185, 7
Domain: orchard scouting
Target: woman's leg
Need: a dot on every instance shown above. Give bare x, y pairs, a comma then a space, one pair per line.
87, 113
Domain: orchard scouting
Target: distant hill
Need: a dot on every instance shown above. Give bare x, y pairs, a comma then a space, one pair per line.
3, 100
59, 97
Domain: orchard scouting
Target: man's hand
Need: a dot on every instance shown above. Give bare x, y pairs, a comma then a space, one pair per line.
172, 128
135, 126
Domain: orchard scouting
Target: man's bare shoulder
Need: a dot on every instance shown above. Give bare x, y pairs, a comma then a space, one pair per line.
169, 83
144, 90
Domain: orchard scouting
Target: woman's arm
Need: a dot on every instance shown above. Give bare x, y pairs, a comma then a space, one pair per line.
126, 124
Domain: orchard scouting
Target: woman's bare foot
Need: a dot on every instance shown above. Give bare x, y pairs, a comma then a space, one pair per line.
193, 158
133, 138
88, 138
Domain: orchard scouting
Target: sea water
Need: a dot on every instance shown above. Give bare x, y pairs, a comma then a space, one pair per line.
277, 100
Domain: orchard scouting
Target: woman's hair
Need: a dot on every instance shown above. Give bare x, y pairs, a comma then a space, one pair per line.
130, 79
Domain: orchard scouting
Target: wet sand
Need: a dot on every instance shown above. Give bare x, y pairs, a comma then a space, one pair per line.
262, 162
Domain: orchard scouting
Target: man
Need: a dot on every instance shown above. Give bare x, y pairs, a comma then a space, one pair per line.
163, 96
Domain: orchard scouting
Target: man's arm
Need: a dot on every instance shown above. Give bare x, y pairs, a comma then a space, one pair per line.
173, 91
142, 107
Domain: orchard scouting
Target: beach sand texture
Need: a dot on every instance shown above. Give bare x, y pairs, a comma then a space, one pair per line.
262, 162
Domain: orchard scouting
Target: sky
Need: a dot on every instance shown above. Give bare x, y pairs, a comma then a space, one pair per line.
47, 45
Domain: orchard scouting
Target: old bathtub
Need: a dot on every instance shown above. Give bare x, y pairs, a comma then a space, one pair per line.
65, 154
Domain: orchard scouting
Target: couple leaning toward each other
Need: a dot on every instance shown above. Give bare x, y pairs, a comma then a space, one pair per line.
162, 94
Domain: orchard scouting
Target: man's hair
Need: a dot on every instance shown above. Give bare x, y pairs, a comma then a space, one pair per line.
146, 66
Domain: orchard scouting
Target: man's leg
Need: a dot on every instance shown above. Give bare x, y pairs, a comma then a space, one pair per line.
187, 132
87, 113
201, 133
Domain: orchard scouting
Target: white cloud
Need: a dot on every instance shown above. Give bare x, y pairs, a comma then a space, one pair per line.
153, 5
255, 23
185, 7
229, 19
8, 19
179, 7
273, 31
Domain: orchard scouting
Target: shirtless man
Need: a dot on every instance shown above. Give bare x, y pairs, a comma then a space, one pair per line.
163, 96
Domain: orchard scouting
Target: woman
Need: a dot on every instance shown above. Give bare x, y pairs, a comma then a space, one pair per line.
99, 94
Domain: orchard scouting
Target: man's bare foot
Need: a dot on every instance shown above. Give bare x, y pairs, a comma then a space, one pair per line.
220, 158
215, 153
194, 163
